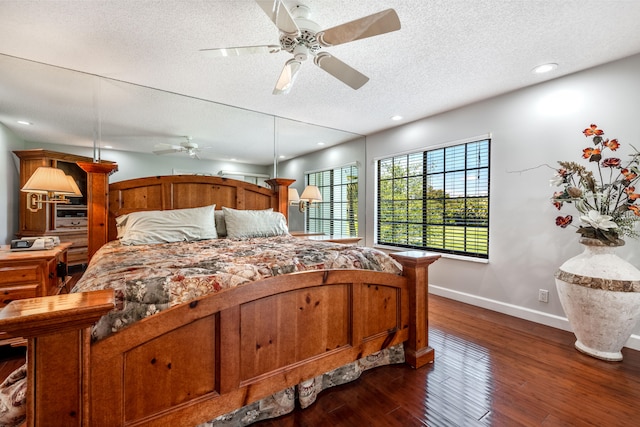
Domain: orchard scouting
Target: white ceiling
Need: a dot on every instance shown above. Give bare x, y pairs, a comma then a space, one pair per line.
449, 53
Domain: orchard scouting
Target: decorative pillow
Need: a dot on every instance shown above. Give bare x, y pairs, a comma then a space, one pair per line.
140, 228
254, 223
221, 227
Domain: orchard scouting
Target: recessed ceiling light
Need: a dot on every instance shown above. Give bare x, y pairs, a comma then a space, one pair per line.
233, 159
396, 118
545, 68
282, 156
108, 146
24, 122
320, 143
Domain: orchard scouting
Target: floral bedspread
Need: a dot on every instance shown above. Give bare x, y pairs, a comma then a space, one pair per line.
150, 278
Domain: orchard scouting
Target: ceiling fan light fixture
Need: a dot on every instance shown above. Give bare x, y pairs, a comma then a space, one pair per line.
301, 53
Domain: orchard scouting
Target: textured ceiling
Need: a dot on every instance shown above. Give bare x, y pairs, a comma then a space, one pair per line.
449, 53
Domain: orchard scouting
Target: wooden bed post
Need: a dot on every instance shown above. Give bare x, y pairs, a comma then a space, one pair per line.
281, 187
97, 202
415, 267
58, 333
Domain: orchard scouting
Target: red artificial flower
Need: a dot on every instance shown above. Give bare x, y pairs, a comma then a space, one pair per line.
628, 175
613, 144
563, 221
562, 172
589, 153
593, 131
630, 193
557, 204
611, 162
635, 209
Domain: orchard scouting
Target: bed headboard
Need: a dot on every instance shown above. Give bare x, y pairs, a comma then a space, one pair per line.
172, 192
186, 191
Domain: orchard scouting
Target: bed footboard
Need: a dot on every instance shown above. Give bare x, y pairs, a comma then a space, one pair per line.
196, 361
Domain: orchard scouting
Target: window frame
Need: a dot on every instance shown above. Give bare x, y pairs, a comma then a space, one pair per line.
351, 225
484, 222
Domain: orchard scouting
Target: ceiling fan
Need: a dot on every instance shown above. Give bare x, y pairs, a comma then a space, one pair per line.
302, 37
188, 146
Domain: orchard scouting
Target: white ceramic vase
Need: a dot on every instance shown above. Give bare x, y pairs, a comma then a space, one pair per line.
600, 294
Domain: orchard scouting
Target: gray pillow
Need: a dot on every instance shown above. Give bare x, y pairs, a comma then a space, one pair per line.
254, 223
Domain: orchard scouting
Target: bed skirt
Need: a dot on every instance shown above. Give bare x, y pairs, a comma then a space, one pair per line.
305, 393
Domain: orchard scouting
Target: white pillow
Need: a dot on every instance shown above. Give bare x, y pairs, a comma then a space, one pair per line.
254, 223
140, 228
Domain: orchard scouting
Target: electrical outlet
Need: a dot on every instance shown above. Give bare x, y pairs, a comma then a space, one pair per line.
543, 295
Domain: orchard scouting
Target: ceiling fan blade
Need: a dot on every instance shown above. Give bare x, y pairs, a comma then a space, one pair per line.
369, 26
240, 50
341, 71
287, 77
166, 149
278, 13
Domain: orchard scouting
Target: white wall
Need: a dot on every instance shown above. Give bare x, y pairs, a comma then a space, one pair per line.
531, 130
9, 191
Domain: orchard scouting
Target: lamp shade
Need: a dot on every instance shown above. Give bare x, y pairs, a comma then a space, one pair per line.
294, 197
311, 194
76, 189
49, 180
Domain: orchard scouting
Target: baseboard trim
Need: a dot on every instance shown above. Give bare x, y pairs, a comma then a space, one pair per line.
516, 311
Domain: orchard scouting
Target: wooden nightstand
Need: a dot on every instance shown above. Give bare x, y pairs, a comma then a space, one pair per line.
30, 274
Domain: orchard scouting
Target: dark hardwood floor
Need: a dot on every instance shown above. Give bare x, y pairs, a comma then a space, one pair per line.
490, 370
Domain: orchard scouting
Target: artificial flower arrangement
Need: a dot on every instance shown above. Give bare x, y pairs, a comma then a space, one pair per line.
605, 199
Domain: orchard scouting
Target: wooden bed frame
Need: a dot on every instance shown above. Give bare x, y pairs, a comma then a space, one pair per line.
193, 362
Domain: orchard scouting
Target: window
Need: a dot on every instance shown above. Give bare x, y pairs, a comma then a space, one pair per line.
337, 213
436, 200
